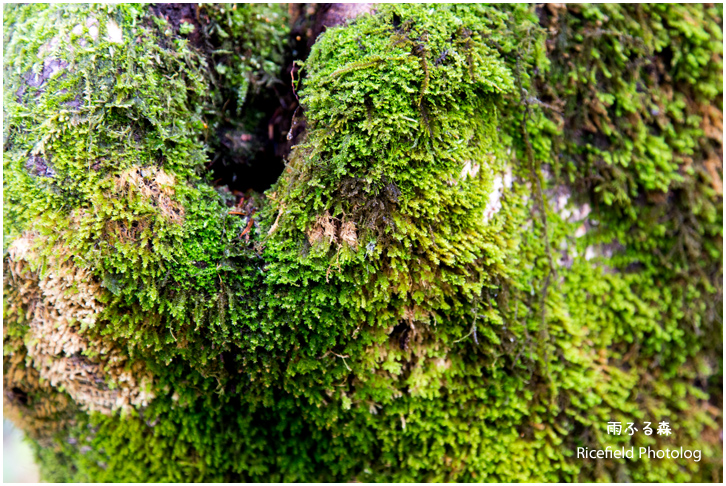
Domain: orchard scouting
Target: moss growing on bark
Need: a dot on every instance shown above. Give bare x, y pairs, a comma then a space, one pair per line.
482, 252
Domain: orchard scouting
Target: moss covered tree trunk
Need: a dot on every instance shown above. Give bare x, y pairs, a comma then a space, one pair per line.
496, 230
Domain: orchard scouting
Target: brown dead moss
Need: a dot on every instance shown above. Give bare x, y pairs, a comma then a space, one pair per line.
333, 230
154, 185
31, 402
58, 308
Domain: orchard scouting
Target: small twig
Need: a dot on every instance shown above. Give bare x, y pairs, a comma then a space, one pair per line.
249, 223
274, 225
473, 331
535, 101
294, 91
292, 78
249, 226
343, 358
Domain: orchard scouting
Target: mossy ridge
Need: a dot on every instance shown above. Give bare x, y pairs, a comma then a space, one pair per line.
331, 184
128, 201
636, 310
662, 296
486, 411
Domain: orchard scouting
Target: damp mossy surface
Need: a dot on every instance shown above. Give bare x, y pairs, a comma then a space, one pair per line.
501, 230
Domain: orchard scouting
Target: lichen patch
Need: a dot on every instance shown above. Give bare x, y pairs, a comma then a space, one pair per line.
115, 34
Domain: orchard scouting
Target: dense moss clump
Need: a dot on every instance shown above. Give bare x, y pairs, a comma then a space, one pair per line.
501, 230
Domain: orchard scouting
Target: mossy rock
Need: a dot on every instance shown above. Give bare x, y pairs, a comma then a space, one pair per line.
501, 230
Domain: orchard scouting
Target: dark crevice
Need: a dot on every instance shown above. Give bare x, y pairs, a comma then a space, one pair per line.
18, 396
176, 13
251, 142
254, 159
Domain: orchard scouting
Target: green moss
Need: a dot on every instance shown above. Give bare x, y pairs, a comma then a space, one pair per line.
250, 40
415, 299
